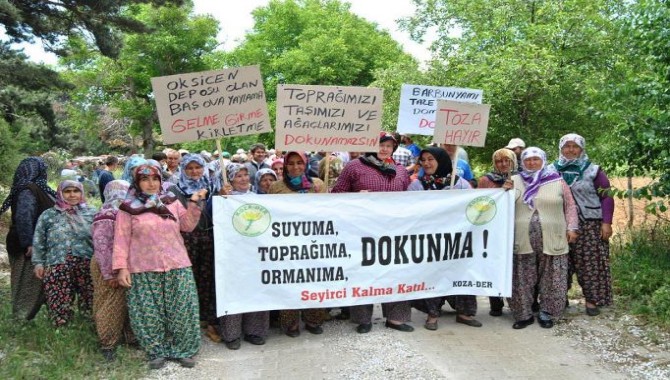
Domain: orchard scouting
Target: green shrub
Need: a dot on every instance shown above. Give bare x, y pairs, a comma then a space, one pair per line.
641, 271
37, 350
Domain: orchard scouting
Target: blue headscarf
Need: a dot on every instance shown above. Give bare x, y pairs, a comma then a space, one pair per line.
190, 185
133, 162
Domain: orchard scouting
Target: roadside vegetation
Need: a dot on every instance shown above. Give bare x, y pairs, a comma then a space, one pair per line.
641, 272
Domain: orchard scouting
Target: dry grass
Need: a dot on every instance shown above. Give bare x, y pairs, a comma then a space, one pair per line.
622, 208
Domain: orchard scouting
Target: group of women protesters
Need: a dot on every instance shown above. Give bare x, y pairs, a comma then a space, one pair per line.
143, 265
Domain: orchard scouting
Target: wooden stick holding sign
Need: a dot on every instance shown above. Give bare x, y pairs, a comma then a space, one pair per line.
221, 162
326, 177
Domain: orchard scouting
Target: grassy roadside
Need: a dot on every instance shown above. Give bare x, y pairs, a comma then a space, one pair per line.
37, 350
641, 272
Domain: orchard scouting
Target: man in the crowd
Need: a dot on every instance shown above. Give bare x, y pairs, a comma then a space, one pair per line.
411, 146
173, 160
107, 175
404, 156
257, 161
162, 159
517, 146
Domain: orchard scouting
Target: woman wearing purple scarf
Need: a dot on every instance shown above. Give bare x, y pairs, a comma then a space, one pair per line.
545, 222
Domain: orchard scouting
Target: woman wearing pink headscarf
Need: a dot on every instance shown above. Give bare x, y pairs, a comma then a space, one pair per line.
296, 181
62, 251
545, 222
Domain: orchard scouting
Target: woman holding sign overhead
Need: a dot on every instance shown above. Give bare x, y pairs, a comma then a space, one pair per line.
193, 178
296, 181
437, 169
377, 172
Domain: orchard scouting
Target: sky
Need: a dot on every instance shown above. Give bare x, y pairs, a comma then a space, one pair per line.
235, 20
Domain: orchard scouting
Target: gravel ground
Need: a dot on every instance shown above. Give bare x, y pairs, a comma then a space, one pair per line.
625, 342
613, 345
616, 344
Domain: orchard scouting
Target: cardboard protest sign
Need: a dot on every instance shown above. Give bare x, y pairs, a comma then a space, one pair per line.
211, 104
344, 249
328, 118
417, 106
461, 123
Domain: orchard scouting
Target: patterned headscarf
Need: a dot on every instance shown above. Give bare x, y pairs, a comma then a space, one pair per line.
215, 175
496, 176
231, 170
275, 163
572, 169
61, 203
72, 211
138, 202
301, 183
537, 178
442, 176
189, 185
128, 170
115, 193
30, 170
259, 176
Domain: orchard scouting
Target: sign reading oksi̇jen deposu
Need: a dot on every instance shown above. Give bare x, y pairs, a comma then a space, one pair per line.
328, 118
346, 249
211, 104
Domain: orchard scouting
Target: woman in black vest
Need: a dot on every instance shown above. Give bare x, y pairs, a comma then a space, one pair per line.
589, 256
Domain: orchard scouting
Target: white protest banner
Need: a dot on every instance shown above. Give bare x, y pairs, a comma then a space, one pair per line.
460, 123
211, 104
416, 115
328, 118
275, 252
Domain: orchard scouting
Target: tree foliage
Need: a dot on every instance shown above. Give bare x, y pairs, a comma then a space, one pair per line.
314, 42
538, 62
636, 105
53, 21
121, 88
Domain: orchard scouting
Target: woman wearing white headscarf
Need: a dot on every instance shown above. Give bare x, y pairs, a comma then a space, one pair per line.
264, 179
253, 325
545, 221
589, 255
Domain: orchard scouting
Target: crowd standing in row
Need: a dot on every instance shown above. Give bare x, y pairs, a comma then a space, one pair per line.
144, 263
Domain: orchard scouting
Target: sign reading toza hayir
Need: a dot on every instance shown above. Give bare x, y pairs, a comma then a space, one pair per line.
211, 104
352, 249
328, 118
